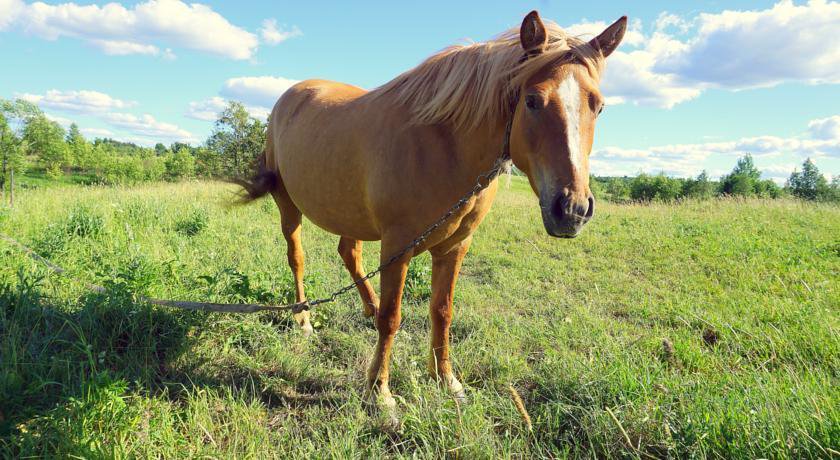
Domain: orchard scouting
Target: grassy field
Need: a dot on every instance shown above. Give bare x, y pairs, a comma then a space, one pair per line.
701, 329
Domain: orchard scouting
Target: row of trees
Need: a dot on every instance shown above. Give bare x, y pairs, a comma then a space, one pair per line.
29, 139
744, 181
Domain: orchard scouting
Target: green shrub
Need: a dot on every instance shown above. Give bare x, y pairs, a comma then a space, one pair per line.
810, 184
194, 223
84, 222
617, 189
54, 171
699, 188
767, 189
180, 165
660, 187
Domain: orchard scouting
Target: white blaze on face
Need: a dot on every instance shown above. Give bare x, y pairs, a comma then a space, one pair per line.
569, 93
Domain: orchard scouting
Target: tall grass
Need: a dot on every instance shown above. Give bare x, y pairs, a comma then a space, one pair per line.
744, 294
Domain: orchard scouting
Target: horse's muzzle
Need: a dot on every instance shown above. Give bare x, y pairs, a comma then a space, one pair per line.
565, 216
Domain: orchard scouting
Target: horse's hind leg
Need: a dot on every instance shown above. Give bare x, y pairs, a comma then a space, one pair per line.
351, 253
290, 221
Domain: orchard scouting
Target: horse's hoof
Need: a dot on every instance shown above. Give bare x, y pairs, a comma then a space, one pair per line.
383, 408
307, 330
460, 396
454, 387
387, 409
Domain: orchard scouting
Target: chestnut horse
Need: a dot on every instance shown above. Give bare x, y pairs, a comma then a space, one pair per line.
385, 164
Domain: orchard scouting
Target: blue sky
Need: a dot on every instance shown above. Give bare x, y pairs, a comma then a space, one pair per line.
694, 86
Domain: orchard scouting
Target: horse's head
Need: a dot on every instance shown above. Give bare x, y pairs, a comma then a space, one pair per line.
554, 125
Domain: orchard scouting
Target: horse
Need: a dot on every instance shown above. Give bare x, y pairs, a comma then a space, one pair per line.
381, 165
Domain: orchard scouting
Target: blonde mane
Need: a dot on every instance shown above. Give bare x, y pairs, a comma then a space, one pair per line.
467, 84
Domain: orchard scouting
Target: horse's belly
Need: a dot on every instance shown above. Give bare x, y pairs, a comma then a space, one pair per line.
337, 205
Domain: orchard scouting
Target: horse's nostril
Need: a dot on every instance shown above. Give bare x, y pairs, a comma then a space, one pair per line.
591, 211
559, 208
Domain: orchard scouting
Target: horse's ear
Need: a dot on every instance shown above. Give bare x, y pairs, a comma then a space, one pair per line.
532, 33
611, 37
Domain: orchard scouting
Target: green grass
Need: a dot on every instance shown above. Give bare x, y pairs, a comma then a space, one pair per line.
745, 293
37, 177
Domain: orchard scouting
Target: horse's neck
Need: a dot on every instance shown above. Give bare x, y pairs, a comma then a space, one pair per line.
481, 148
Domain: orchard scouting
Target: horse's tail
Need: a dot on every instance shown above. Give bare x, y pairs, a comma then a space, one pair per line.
261, 183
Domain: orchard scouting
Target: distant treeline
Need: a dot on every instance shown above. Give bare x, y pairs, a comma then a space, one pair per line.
744, 181
31, 141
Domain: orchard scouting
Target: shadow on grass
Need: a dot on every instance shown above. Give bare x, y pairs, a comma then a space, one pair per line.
68, 368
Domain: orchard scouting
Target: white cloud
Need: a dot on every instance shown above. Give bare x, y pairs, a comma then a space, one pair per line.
65, 122
629, 78
825, 128
9, 11
105, 108
258, 94
260, 113
257, 91
667, 21
147, 126
689, 159
96, 132
139, 29
731, 50
207, 110
779, 172
124, 48
84, 101
273, 35
747, 49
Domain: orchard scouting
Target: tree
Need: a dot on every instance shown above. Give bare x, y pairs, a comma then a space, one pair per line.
79, 148
10, 157
180, 165
659, 187
809, 184
45, 139
238, 139
15, 115
743, 178
176, 146
701, 187
160, 149
617, 189
834, 189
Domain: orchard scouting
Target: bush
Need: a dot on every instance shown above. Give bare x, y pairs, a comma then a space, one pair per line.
617, 189
744, 180
767, 189
699, 188
180, 165
810, 184
660, 187
194, 223
53, 171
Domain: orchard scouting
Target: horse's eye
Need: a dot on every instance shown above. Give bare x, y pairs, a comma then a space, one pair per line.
601, 109
532, 102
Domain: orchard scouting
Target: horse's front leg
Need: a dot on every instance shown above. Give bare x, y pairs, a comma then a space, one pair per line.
445, 268
387, 323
